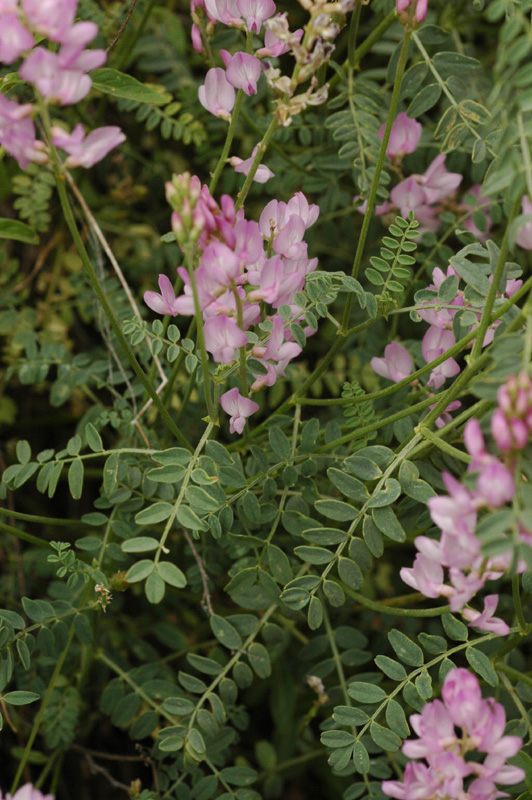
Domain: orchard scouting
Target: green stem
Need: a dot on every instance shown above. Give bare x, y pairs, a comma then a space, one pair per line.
444, 446
228, 140
368, 216
40, 714
514, 673
181, 495
198, 313
259, 155
352, 38
518, 704
392, 610
516, 594
104, 302
485, 321
26, 537
6, 512
241, 350
336, 656
375, 426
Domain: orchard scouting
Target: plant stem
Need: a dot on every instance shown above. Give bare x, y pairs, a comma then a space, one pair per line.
352, 37
102, 297
227, 144
368, 216
392, 610
485, 321
26, 537
261, 149
516, 594
198, 313
40, 714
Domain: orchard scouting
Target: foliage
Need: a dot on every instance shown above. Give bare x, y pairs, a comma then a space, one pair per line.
190, 614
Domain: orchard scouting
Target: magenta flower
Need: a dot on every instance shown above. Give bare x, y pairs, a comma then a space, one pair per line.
436, 342
396, 364
217, 95
404, 136
225, 11
52, 18
445, 751
275, 46
242, 71
15, 39
165, 302
17, 133
485, 621
263, 172
44, 69
85, 151
223, 337
420, 8
239, 409
28, 792
438, 183
408, 196
255, 12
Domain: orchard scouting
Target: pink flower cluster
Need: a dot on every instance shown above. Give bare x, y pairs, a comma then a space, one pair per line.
419, 8
459, 550
60, 76
426, 194
235, 277
511, 423
242, 70
481, 723
397, 362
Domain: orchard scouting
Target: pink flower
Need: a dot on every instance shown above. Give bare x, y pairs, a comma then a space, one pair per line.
225, 11
445, 416
255, 12
408, 195
17, 133
404, 136
195, 36
52, 18
28, 792
15, 39
438, 183
223, 337
273, 45
420, 8
239, 408
217, 95
524, 235
461, 694
165, 302
435, 342
263, 172
242, 71
485, 621
85, 151
396, 364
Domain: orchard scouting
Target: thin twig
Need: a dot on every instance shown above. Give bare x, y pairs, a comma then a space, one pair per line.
95, 768
206, 599
39, 263
122, 27
119, 274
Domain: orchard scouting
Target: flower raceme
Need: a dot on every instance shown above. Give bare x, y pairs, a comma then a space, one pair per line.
60, 77
491, 485
237, 285
460, 765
